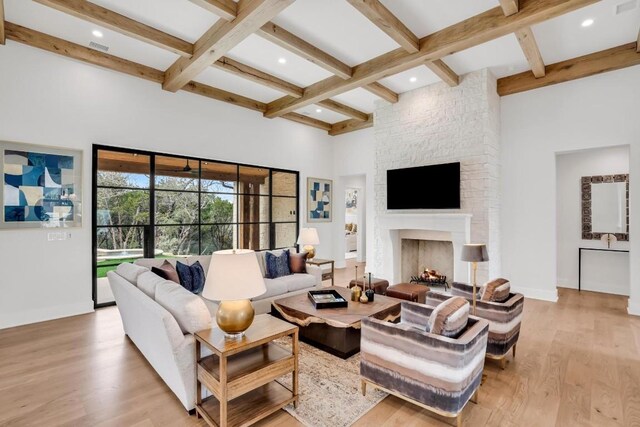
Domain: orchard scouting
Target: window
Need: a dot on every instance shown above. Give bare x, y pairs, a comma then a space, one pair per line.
158, 205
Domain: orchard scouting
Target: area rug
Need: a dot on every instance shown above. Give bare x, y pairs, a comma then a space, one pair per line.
329, 389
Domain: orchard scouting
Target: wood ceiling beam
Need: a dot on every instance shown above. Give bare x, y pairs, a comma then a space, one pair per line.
382, 18
572, 69
345, 110
295, 44
2, 30
255, 75
531, 51
114, 21
309, 121
225, 9
221, 38
352, 125
509, 7
382, 91
443, 71
52, 44
471, 32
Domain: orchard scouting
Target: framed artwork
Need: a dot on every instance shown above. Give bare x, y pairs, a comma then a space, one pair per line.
319, 200
42, 186
351, 201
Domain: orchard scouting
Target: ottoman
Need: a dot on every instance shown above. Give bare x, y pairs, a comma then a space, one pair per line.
408, 292
379, 286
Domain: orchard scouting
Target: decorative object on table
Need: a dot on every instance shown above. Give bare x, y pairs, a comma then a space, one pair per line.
475, 253
608, 238
234, 277
355, 293
319, 200
364, 299
42, 186
327, 298
605, 206
379, 286
308, 238
370, 293
430, 277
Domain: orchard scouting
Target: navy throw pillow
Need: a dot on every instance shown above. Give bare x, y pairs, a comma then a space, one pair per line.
191, 276
277, 265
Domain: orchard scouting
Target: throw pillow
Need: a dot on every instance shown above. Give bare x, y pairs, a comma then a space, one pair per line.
277, 265
298, 263
191, 276
449, 318
167, 271
496, 290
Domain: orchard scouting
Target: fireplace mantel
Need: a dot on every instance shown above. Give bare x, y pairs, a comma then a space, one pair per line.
454, 227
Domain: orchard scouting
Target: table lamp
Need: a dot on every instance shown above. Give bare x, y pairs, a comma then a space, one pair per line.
474, 253
309, 237
233, 278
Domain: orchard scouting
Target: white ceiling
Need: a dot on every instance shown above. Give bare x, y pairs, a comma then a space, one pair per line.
339, 29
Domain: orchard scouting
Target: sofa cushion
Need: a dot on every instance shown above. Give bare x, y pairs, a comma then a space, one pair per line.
449, 318
188, 309
191, 276
496, 290
274, 287
167, 271
130, 272
204, 261
147, 283
298, 262
154, 262
296, 282
277, 265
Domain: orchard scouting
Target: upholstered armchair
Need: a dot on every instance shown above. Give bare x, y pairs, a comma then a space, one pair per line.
432, 371
504, 318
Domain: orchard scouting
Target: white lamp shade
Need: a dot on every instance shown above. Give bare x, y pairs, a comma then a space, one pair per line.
475, 253
308, 236
233, 275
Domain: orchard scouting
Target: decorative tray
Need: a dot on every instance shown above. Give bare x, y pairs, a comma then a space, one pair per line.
327, 299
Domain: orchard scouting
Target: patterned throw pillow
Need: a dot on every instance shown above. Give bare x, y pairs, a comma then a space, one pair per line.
191, 276
496, 290
449, 318
298, 262
166, 271
277, 265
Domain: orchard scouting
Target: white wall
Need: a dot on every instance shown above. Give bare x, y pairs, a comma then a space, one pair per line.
593, 112
601, 271
50, 100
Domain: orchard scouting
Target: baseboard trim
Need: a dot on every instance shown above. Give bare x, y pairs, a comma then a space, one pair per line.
26, 317
540, 294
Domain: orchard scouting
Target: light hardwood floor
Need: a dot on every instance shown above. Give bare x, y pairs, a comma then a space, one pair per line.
578, 364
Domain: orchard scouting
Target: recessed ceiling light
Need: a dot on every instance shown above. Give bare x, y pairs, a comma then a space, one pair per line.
587, 22
97, 33
318, 110
413, 79
282, 60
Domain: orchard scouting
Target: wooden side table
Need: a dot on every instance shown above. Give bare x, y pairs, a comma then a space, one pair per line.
241, 374
320, 262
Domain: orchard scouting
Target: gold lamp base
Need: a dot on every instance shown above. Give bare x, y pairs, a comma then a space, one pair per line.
311, 252
235, 317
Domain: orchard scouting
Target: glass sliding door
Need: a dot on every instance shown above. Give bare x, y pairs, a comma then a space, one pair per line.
167, 206
121, 214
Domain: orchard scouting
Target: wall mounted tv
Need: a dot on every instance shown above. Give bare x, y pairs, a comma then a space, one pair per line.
424, 187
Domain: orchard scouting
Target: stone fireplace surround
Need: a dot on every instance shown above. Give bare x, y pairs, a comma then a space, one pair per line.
392, 228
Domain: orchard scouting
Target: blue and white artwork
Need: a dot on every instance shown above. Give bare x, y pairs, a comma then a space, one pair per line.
41, 186
319, 200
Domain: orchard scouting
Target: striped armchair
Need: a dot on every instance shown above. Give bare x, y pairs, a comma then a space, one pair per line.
504, 318
432, 371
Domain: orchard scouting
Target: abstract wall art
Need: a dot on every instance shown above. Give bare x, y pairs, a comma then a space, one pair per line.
319, 200
42, 186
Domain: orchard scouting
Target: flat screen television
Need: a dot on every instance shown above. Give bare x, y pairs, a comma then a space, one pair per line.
424, 187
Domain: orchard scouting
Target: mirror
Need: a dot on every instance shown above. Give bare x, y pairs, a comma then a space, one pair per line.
605, 206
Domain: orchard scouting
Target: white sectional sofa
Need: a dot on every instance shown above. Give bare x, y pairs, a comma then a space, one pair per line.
160, 316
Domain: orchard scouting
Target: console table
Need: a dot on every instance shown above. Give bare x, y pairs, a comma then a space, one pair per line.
591, 249
320, 262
